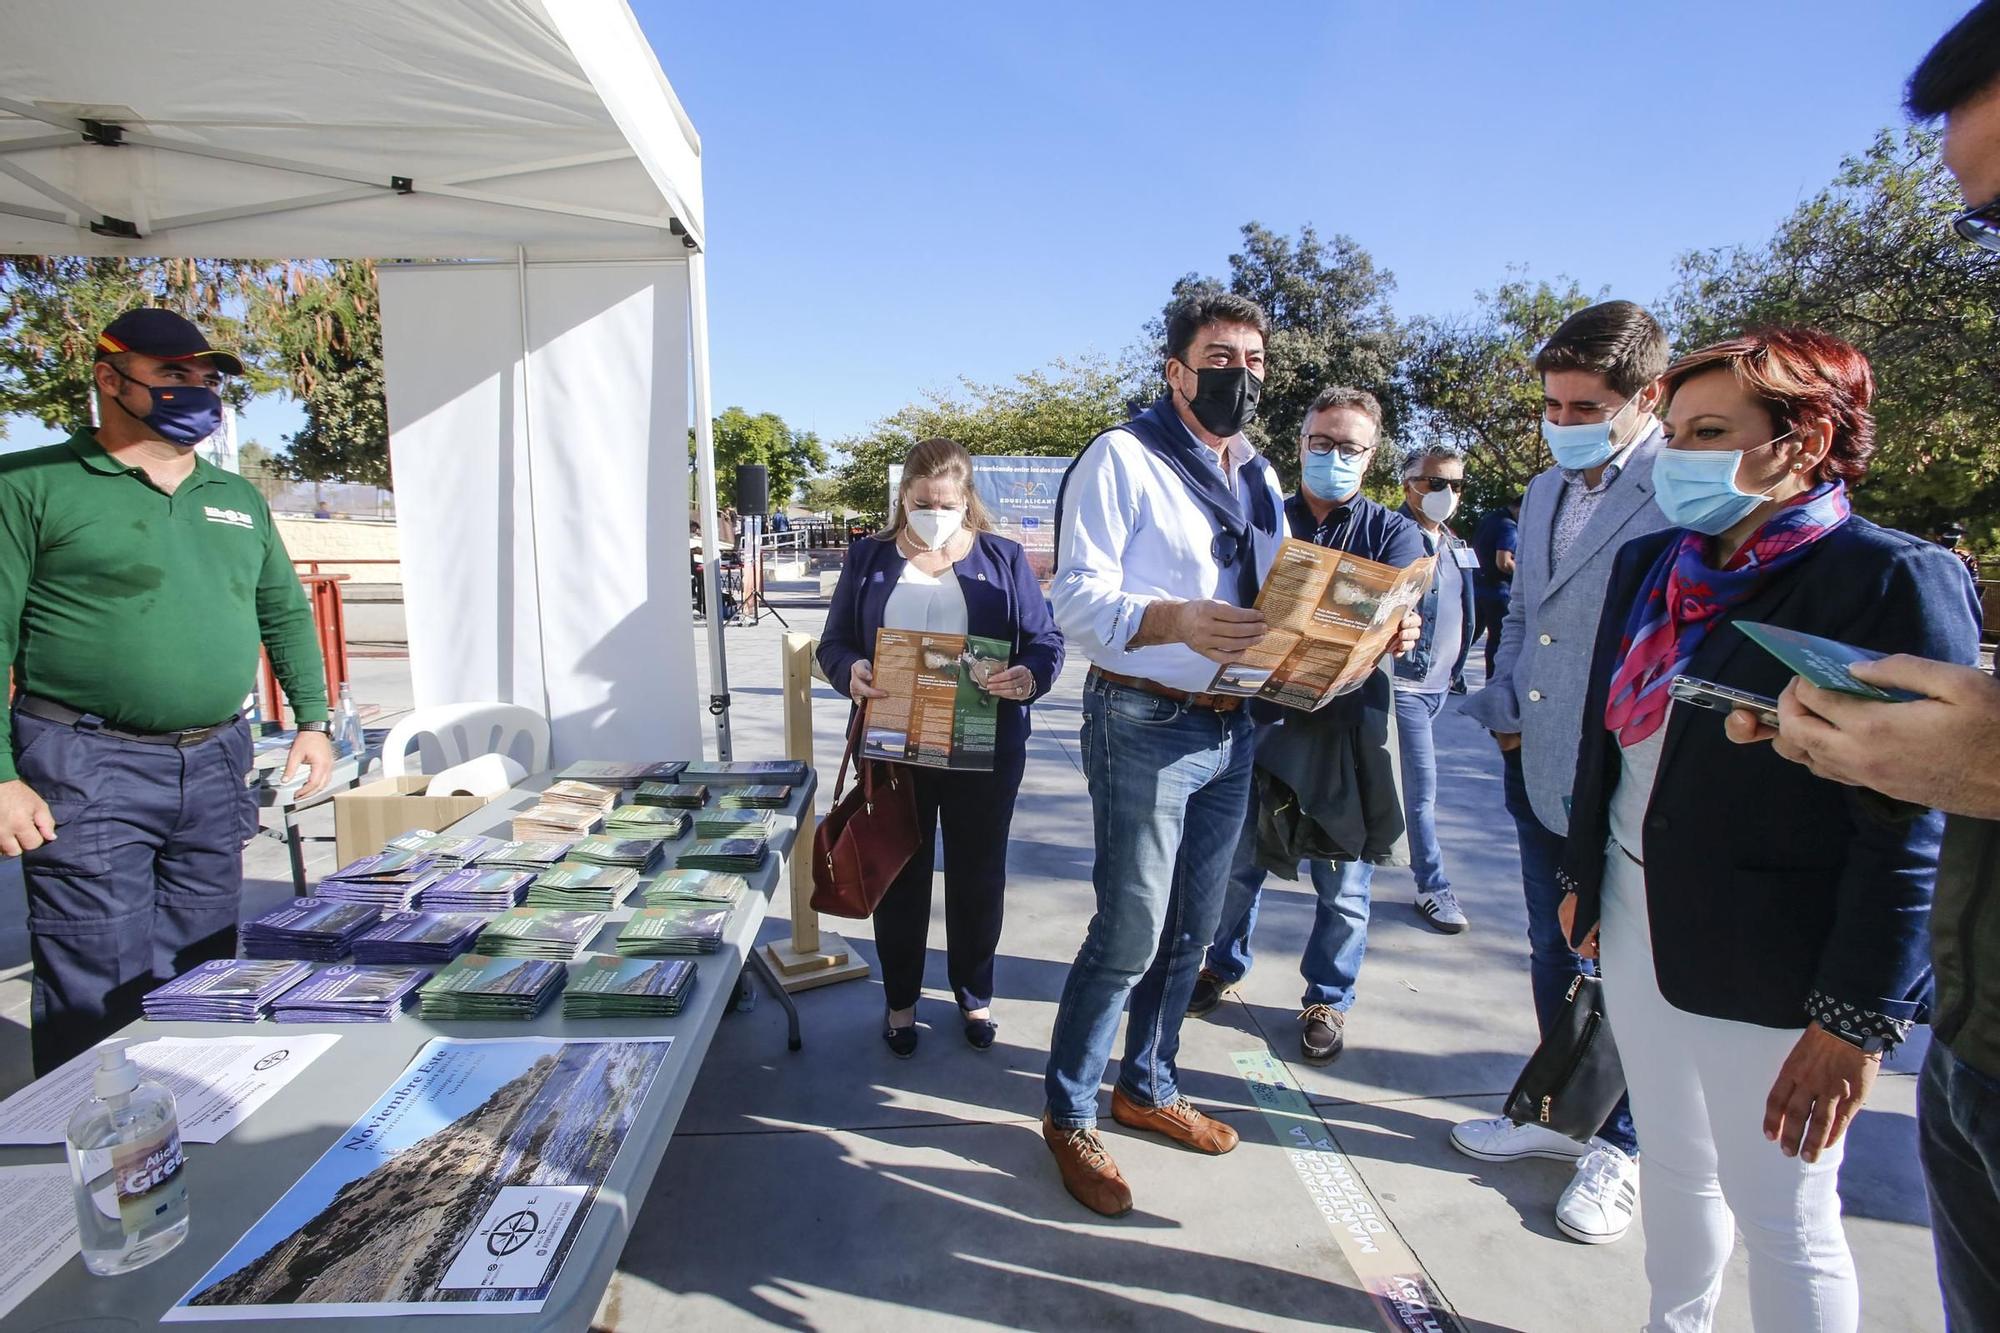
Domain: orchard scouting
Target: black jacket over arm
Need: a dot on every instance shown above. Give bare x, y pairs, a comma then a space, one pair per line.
1765, 883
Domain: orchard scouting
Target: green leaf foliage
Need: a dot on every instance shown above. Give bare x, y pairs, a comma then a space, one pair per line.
1872, 258
791, 457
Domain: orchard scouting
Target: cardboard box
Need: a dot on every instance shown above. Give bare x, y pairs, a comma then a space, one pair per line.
367, 817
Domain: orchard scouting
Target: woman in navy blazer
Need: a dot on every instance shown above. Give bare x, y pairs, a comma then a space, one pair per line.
941, 567
1762, 929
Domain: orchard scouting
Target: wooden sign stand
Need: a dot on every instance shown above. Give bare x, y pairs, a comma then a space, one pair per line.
812, 957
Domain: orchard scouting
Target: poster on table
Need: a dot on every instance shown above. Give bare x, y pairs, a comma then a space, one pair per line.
463, 1188
936, 712
1019, 491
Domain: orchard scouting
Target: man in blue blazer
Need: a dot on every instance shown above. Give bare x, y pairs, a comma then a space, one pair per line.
1600, 384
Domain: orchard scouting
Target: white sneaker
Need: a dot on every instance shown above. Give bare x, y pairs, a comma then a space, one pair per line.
1501, 1140
1597, 1206
1441, 909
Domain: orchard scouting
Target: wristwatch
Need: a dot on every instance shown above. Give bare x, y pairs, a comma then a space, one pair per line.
324, 728
1868, 1043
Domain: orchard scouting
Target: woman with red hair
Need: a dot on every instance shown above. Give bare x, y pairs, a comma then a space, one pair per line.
1762, 929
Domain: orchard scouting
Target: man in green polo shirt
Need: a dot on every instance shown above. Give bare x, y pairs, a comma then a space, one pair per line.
136, 583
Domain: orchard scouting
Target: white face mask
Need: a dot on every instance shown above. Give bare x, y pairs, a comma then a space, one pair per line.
1439, 506
935, 527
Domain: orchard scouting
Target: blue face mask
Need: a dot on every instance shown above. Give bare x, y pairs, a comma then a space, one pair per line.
1331, 477
1585, 446
183, 414
1696, 488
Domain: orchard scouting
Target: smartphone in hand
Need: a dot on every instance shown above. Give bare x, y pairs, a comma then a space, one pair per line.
1723, 698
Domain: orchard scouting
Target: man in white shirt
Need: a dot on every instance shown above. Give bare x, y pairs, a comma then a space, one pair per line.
1165, 528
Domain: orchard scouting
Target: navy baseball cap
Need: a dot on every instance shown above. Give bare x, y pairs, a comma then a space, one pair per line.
152, 331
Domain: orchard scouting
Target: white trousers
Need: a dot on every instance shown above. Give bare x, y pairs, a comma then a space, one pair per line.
1698, 1087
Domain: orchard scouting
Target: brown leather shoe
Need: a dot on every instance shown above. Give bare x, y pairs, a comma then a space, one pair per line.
1178, 1120
1088, 1172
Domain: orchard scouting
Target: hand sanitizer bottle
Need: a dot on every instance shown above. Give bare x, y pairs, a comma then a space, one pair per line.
347, 724
125, 1164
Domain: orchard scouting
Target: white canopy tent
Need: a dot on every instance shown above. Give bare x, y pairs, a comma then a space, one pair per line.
528, 167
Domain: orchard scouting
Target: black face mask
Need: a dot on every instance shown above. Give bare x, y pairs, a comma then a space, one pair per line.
1225, 398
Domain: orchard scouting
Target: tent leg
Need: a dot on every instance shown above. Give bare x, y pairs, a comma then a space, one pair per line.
704, 453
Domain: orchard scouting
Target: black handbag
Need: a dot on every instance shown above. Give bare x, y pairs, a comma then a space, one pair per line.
1573, 1079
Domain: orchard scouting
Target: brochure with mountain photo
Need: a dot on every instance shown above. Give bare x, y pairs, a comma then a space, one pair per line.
463, 1188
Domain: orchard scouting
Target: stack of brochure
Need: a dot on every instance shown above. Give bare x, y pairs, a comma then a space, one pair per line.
476, 889
659, 932
389, 880
479, 986
582, 886
225, 990
601, 986
419, 937
760, 824
553, 819
741, 855
533, 932
346, 994
673, 795
450, 849
697, 886
583, 795
316, 928
646, 821
756, 797
533, 854
622, 773
640, 854
787, 772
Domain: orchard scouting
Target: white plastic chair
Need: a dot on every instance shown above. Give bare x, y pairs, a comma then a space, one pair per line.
453, 733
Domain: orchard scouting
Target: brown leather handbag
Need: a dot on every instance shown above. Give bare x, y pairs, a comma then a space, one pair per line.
868, 836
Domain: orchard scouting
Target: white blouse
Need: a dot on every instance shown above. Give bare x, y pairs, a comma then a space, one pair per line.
923, 601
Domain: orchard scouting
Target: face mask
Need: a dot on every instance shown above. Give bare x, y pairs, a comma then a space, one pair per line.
1225, 399
935, 527
1585, 446
183, 414
1331, 477
1439, 506
1696, 488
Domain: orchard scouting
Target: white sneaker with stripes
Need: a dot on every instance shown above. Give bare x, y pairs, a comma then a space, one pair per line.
1598, 1204
1442, 911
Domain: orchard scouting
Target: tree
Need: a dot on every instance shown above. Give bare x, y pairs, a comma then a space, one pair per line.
1472, 382
258, 466
1331, 323
322, 325
1050, 412
52, 308
1872, 259
790, 456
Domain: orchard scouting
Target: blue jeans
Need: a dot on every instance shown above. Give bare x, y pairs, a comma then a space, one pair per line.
1415, 712
1958, 1137
1339, 939
1168, 784
1552, 964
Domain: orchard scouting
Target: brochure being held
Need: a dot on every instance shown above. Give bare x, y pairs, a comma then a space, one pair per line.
937, 713
1331, 615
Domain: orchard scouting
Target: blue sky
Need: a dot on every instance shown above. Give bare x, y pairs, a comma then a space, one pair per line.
901, 194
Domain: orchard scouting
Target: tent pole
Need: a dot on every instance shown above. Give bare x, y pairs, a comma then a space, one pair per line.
704, 455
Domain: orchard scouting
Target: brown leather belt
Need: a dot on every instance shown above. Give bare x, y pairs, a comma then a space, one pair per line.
1220, 703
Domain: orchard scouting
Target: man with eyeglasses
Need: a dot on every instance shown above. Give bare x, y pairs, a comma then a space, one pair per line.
1939, 750
1600, 375
1336, 446
1433, 481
